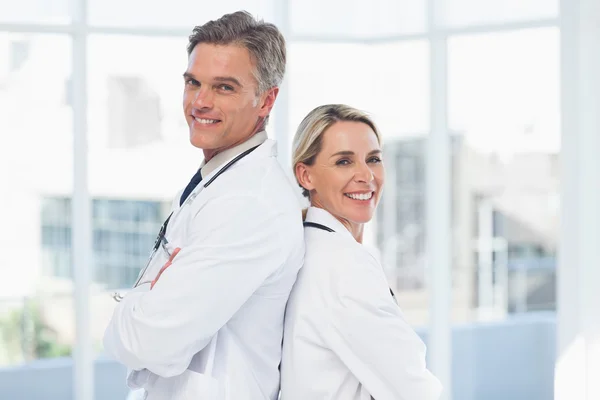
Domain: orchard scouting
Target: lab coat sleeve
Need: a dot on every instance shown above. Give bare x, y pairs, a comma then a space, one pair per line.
368, 332
233, 249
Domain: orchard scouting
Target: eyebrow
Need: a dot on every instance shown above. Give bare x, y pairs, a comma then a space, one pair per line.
351, 153
227, 79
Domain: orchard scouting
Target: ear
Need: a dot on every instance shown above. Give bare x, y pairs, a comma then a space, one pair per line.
268, 101
304, 177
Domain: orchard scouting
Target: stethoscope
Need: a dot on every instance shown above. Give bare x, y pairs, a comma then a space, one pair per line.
161, 240
308, 224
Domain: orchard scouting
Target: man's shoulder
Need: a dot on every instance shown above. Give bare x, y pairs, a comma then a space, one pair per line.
263, 179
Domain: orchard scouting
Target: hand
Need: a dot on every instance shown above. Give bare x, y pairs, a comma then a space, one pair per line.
164, 267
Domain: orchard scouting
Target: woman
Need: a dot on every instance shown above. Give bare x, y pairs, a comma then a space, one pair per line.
345, 337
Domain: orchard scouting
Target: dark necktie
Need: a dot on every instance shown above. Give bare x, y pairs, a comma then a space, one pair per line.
196, 179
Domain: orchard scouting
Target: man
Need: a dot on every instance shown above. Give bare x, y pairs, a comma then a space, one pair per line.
205, 320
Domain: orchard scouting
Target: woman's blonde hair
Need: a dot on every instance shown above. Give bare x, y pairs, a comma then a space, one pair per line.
309, 136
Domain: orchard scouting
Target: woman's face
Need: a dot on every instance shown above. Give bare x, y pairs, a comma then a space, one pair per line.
348, 174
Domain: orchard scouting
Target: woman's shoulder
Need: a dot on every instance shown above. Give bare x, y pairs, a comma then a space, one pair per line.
332, 252
337, 275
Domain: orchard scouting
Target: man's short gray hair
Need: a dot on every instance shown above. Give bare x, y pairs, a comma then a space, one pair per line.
263, 40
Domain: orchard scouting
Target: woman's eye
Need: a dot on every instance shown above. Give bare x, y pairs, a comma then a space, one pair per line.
343, 161
374, 160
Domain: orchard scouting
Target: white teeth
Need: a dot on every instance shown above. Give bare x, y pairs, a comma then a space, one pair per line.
206, 121
364, 196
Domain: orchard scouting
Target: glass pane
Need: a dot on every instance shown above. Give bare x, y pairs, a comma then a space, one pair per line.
394, 89
462, 13
390, 81
36, 308
504, 108
171, 14
124, 232
35, 11
357, 19
140, 155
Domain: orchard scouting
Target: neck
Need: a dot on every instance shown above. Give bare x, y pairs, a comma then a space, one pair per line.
211, 153
258, 127
355, 228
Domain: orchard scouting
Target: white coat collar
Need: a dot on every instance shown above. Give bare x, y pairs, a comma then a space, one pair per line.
323, 217
265, 150
268, 148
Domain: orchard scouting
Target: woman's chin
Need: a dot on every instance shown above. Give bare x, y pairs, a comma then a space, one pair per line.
361, 217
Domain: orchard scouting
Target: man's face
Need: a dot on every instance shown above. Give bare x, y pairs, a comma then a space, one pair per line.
220, 102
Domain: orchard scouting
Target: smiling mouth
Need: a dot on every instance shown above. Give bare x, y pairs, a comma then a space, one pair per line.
360, 196
206, 121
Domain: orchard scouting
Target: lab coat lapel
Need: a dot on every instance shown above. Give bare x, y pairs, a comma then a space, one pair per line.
266, 149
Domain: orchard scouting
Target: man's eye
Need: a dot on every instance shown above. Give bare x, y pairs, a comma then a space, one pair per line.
226, 88
193, 82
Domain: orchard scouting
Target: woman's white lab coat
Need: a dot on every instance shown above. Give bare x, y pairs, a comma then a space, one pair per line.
211, 327
345, 336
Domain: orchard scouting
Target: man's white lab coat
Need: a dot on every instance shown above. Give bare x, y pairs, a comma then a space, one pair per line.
345, 336
211, 327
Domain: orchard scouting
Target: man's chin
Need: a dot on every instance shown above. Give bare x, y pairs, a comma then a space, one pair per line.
201, 140
200, 144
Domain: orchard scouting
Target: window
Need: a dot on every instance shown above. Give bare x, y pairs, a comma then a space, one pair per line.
503, 99
172, 14
357, 19
35, 152
390, 81
461, 13
123, 235
35, 11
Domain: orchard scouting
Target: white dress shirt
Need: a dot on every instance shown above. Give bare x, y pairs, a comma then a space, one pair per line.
345, 336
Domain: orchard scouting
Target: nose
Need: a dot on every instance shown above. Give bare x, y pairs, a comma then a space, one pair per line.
203, 99
363, 173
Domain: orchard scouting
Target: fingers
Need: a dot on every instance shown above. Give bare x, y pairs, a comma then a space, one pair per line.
164, 267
